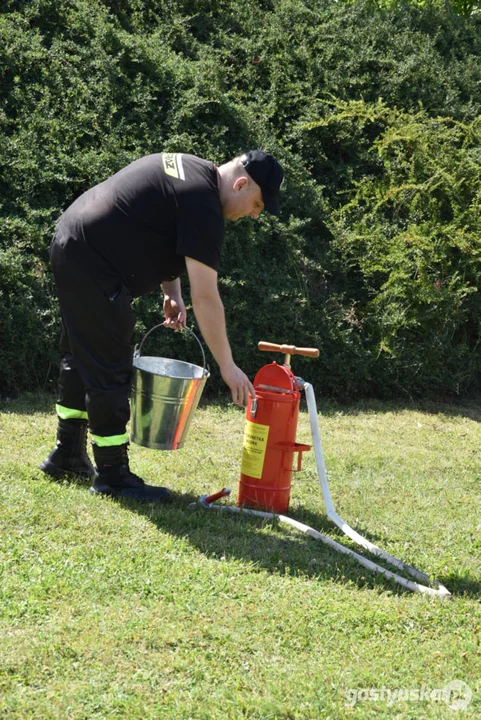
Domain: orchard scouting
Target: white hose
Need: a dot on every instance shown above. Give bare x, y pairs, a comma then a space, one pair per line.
368, 564
347, 529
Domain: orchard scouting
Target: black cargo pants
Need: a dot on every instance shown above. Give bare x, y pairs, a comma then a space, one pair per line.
95, 343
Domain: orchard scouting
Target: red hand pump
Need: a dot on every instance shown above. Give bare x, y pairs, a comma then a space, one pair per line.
270, 434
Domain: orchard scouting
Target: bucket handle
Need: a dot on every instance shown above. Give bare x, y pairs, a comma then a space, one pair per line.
138, 349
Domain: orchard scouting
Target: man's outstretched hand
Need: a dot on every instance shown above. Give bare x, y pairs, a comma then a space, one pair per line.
239, 384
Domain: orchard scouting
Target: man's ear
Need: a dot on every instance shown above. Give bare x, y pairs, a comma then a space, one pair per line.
240, 183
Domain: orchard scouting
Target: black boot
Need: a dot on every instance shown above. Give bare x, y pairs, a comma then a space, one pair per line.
69, 456
117, 480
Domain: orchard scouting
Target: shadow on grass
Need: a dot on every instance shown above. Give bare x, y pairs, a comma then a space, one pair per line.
323, 524
466, 407
267, 545
462, 585
469, 407
30, 404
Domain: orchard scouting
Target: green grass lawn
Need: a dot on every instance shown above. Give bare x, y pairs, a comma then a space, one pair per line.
117, 610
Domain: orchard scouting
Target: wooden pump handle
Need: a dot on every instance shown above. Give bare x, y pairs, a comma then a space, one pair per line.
288, 349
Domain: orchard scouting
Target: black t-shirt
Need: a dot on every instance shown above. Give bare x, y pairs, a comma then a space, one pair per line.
148, 217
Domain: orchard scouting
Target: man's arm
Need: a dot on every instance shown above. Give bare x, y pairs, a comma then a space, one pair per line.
174, 308
209, 311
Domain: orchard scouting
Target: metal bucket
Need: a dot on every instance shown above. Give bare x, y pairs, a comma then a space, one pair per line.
165, 395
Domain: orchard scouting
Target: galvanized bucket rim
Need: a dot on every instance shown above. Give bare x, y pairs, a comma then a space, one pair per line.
138, 350
139, 358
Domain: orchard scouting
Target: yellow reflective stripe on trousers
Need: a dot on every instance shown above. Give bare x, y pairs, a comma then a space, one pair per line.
111, 440
65, 413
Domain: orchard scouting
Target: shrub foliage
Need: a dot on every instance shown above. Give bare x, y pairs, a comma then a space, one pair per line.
374, 113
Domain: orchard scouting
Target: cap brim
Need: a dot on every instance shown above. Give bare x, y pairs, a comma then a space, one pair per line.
271, 203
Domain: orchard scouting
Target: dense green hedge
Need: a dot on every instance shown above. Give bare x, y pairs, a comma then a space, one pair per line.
376, 256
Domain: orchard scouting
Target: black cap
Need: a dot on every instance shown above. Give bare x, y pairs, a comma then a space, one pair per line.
267, 173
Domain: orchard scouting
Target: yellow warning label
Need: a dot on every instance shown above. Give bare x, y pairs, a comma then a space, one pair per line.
254, 450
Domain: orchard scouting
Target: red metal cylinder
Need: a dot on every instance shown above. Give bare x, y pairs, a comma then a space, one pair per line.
269, 441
